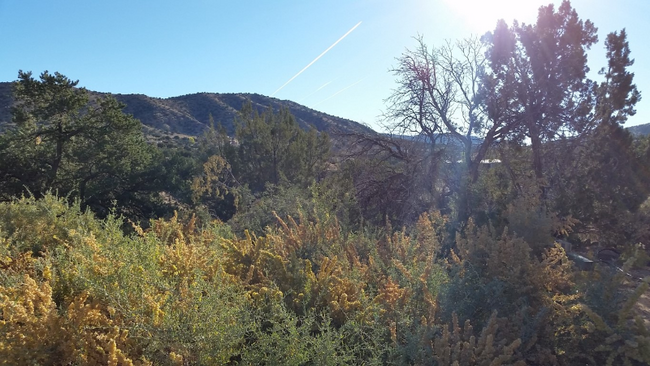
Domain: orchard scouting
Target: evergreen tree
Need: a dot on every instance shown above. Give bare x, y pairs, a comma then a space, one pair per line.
617, 95
272, 148
538, 84
81, 147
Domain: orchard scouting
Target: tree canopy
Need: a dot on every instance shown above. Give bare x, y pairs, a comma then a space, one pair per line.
67, 142
274, 149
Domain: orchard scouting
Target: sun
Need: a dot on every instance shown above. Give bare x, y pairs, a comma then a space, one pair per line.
482, 15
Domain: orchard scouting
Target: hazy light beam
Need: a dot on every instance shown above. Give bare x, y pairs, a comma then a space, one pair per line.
316, 59
339, 92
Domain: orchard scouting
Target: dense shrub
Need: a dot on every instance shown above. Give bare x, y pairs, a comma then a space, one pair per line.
78, 290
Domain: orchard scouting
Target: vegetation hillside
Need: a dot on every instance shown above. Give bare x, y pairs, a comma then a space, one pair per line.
526, 246
5, 104
189, 114
642, 130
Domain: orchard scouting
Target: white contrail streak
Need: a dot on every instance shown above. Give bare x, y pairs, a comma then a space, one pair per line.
322, 86
316, 59
315, 91
339, 92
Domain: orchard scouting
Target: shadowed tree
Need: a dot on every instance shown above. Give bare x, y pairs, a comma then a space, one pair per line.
606, 179
616, 95
274, 149
82, 147
537, 81
440, 98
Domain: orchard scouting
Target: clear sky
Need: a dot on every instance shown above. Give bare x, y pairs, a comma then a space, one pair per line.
167, 48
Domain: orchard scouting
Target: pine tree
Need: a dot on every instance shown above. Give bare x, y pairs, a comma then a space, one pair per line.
274, 149
67, 142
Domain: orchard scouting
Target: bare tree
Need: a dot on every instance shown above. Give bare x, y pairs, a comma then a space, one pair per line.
440, 98
391, 177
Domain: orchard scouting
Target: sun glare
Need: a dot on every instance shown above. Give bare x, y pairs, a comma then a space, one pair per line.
482, 15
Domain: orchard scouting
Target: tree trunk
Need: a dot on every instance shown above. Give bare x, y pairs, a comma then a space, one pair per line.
466, 172
58, 156
536, 146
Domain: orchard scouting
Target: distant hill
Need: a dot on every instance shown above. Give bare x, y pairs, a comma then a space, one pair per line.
189, 114
640, 129
5, 103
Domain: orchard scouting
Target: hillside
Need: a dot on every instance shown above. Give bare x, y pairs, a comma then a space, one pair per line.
189, 114
640, 129
5, 103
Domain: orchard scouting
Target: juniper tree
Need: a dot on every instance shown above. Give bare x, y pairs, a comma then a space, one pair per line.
78, 145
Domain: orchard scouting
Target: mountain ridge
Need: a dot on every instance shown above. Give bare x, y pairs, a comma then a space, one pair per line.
640, 130
189, 114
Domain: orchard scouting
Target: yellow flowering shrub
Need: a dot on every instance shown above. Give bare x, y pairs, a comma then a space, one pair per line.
40, 225
33, 331
458, 346
146, 296
77, 290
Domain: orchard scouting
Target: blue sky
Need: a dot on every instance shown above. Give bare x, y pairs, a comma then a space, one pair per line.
166, 48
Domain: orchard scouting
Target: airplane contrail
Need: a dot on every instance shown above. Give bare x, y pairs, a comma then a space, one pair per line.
316, 59
314, 92
322, 86
339, 92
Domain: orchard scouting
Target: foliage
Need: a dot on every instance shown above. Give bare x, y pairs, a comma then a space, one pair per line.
389, 178
35, 333
307, 291
462, 347
65, 142
215, 187
605, 188
259, 214
274, 149
537, 84
163, 287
